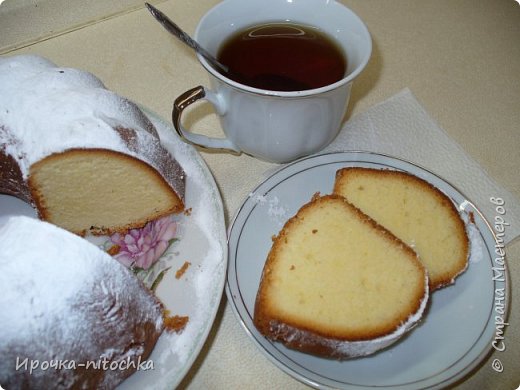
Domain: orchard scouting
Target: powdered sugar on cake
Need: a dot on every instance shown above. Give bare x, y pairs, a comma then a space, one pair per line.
63, 298
69, 262
69, 109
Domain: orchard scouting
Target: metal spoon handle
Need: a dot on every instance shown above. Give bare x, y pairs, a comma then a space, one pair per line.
180, 34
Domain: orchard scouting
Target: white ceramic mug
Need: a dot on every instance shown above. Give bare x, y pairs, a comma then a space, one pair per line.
275, 126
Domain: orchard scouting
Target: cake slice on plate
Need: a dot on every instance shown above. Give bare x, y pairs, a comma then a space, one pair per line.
416, 212
337, 284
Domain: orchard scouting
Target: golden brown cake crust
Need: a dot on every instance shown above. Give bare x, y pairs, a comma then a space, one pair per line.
342, 176
299, 335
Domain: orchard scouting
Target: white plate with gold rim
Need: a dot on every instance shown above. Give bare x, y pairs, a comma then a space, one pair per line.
455, 335
197, 294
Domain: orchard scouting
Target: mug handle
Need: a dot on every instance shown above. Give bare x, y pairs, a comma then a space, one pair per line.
205, 142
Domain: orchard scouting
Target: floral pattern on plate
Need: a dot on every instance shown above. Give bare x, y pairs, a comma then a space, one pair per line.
145, 250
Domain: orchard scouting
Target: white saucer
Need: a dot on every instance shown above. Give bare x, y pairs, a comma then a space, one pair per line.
453, 338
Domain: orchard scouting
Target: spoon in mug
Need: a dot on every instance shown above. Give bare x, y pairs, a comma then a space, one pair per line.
262, 81
185, 38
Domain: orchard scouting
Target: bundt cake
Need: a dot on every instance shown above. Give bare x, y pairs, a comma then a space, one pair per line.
338, 285
416, 212
71, 316
87, 159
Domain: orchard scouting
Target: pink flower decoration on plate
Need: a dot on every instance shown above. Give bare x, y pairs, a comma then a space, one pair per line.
142, 247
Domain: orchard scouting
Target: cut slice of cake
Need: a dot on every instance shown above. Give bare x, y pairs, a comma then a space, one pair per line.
99, 191
86, 158
336, 284
416, 212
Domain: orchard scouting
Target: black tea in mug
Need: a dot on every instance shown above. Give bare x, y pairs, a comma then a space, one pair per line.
283, 56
